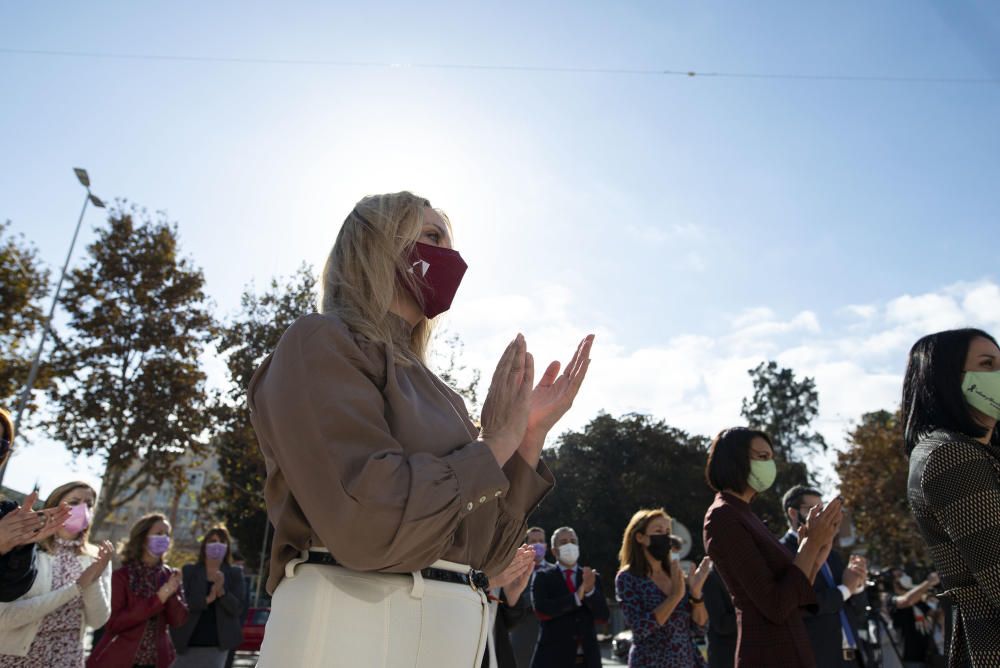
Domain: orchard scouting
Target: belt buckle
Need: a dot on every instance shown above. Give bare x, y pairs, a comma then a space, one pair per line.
850, 654
478, 580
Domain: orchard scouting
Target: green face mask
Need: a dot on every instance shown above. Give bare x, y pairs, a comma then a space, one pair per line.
762, 474
982, 391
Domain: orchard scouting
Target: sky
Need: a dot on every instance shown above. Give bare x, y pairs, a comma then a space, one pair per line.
825, 207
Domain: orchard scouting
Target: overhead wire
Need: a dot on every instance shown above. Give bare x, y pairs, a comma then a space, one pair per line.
629, 71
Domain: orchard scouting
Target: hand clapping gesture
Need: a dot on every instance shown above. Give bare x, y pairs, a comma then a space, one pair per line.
24, 526
699, 575
170, 587
517, 418
104, 552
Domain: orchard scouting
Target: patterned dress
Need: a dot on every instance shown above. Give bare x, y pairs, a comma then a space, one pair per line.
58, 643
954, 491
654, 646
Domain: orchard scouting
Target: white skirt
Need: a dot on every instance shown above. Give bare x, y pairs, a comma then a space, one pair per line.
332, 617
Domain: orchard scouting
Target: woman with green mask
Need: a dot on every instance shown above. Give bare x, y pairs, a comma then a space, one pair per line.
951, 404
770, 586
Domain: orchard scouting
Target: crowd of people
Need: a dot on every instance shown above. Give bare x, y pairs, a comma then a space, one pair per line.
401, 531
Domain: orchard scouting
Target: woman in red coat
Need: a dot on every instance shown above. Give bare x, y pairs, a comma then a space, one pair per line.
146, 598
770, 586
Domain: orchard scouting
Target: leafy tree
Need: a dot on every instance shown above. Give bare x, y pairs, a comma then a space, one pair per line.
873, 481
784, 407
24, 283
244, 342
131, 389
612, 468
447, 361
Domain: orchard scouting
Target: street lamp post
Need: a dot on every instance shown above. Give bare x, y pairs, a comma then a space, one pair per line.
91, 198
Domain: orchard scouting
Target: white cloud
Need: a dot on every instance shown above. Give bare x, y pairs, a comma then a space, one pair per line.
696, 382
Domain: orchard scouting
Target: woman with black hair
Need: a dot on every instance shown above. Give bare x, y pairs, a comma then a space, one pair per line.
951, 404
770, 585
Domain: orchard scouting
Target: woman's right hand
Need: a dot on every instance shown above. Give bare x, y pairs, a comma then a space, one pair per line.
170, 587
678, 586
505, 412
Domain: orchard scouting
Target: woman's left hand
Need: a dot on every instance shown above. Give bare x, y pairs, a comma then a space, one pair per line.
554, 394
698, 577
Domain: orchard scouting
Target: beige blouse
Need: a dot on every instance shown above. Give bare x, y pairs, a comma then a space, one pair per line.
378, 462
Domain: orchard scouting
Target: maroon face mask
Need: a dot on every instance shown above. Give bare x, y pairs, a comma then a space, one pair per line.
438, 273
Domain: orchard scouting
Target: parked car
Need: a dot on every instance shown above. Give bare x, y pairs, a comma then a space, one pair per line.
621, 644
253, 629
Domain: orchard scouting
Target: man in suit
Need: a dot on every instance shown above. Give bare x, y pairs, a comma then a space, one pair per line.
569, 602
524, 636
832, 629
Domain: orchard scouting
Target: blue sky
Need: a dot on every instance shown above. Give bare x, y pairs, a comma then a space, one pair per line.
698, 224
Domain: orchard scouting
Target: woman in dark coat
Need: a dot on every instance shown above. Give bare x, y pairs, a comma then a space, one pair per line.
770, 586
214, 589
951, 403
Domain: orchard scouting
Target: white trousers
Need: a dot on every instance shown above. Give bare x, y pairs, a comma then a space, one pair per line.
332, 617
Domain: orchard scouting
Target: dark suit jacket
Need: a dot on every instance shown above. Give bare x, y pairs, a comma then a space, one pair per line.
564, 623
823, 625
525, 634
768, 589
721, 622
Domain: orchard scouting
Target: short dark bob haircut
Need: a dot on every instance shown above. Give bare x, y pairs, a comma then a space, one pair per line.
729, 458
932, 387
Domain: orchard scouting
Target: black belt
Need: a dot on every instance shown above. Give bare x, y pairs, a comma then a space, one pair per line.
475, 579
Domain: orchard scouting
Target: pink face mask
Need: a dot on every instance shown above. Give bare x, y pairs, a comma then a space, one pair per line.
79, 518
438, 273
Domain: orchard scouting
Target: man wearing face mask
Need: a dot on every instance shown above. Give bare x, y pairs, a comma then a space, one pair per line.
832, 627
524, 636
569, 601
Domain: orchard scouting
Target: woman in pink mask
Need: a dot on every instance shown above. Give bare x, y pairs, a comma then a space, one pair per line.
214, 591
146, 599
391, 507
72, 591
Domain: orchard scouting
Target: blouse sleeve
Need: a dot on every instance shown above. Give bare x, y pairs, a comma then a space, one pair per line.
527, 487
638, 617
777, 593
374, 506
962, 488
97, 600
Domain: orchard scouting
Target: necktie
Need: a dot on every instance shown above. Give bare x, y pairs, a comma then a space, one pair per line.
844, 624
570, 581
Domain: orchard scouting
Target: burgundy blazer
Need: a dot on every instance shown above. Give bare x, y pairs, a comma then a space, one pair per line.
768, 590
129, 614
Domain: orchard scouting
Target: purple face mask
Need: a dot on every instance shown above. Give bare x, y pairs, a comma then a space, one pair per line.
158, 545
539, 549
215, 551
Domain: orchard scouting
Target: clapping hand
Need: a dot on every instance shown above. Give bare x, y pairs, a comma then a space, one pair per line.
218, 586
856, 574
505, 412
170, 587
23, 526
554, 394
94, 571
698, 577
514, 578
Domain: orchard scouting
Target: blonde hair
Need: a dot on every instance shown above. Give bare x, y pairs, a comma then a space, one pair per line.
367, 264
632, 556
55, 498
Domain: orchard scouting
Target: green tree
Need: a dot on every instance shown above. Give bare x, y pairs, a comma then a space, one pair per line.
614, 467
24, 283
244, 342
131, 389
448, 364
873, 481
784, 407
